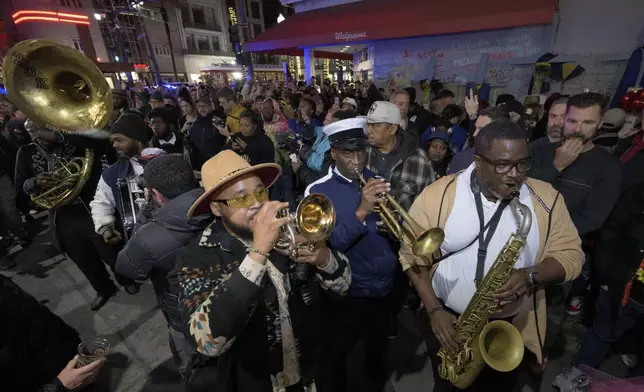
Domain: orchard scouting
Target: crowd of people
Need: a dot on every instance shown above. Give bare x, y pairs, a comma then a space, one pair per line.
188, 189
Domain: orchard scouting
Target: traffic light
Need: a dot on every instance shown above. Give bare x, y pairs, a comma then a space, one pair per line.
233, 31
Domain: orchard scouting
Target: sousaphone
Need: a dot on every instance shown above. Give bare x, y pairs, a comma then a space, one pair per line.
58, 86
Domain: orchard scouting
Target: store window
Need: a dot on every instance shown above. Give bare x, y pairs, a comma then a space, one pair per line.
185, 14
198, 15
76, 44
203, 43
258, 29
254, 10
215, 44
190, 42
72, 3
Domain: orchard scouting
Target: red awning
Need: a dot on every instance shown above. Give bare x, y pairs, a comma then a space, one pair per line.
369, 20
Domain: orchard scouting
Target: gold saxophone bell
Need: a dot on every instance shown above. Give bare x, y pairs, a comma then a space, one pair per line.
54, 84
314, 220
424, 242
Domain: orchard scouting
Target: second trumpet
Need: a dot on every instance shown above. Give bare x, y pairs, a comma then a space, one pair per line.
424, 242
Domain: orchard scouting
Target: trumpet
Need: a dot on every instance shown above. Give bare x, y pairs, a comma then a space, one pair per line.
314, 220
424, 242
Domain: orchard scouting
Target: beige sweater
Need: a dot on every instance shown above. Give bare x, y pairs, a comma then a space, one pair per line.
562, 243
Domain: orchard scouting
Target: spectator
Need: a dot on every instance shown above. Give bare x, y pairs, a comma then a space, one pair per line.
454, 114
250, 143
206, 140
439, 152
228, 101
152, 250
463, 159
396, 155
163, 124
418, 116
37, 348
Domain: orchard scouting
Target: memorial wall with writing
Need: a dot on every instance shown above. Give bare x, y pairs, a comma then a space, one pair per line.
502, 58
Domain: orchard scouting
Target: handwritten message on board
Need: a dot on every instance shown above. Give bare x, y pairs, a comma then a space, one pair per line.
458, 56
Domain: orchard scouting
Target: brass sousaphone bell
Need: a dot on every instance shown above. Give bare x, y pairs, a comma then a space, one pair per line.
56, 85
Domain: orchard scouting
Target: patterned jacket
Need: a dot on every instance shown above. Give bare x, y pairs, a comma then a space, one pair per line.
254, 324
411, 173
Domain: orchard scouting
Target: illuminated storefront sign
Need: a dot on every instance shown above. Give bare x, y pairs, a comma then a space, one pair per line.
49, 16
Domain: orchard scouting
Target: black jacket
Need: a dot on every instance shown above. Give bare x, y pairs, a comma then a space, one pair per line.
307, 176
35, 344
255, 149
176, 148
152, 250
34, 159
590, 185
621, 244
234, 322
205, 141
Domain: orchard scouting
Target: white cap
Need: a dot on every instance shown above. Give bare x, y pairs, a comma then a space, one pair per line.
383, 112
347, 134
351, 101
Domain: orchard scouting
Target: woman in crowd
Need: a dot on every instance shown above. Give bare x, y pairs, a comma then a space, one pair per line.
250, 143
454, 114
190, 115
439, 152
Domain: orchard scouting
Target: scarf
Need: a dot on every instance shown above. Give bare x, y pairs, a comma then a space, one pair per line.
636, 146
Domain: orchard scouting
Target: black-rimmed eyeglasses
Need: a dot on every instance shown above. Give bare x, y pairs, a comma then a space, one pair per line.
504, 167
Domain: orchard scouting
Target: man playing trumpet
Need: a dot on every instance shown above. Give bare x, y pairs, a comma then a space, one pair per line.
551, 253
365, 313
252, 328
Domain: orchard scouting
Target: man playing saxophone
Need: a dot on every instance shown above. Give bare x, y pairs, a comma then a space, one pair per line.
470, 207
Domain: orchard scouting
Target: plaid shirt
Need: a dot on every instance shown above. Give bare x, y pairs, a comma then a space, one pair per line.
409, 175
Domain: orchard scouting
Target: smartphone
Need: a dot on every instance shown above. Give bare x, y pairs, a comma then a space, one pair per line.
293, 158
471, 86
337, 101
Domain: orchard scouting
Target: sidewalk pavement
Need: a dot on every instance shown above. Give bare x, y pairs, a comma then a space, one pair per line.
140, 359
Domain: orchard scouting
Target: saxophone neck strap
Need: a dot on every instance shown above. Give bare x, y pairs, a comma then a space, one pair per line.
484, 240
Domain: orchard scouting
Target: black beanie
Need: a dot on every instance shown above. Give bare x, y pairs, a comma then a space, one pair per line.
132, 126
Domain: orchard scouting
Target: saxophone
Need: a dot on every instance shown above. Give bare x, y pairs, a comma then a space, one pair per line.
498, 343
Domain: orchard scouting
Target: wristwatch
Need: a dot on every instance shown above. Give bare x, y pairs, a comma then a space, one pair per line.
533, 280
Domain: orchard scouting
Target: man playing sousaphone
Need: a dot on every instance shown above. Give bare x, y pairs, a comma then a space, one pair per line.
39, 168
242, 306
508, 206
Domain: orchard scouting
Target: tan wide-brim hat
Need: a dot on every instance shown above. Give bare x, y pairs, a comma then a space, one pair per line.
224, 168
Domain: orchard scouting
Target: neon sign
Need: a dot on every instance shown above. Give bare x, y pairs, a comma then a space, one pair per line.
49, 16
232, 16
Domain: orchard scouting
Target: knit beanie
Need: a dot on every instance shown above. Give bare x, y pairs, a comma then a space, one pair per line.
132, 126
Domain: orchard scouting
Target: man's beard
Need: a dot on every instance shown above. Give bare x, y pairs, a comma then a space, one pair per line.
236, 230
555, 133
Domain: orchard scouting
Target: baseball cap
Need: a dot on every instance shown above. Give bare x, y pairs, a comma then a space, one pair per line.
383, 112
614, 119
513, 106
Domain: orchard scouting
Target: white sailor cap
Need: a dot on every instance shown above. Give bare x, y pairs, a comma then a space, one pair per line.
351, 101
349, 134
